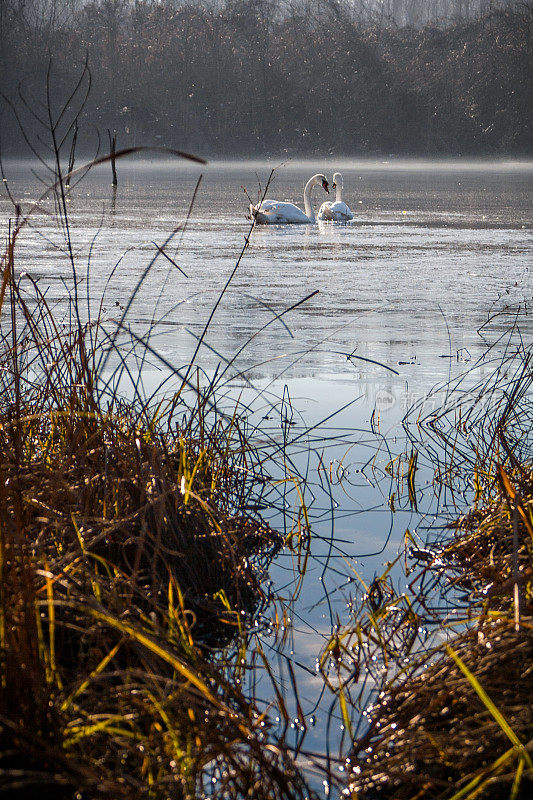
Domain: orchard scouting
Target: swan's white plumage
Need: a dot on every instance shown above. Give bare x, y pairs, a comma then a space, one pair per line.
276, 212
337, 211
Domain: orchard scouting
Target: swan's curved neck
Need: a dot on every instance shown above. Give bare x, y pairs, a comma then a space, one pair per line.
307, 198
337, 180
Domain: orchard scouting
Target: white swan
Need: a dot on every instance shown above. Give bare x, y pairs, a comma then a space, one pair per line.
337, 211
274, 212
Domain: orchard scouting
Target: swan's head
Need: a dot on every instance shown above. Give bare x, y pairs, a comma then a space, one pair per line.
315, 180
337, 180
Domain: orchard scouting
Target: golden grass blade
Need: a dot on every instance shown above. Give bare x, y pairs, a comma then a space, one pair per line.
485, 699
106, 726
51, 624
86, 683
514, 498
478, 783
167, 656
179, 752
345, 714
411, 485
517, 780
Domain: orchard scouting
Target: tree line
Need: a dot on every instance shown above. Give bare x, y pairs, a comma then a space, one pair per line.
269, 77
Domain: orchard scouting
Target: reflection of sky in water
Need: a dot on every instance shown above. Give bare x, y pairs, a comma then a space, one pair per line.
347, 479
433, 250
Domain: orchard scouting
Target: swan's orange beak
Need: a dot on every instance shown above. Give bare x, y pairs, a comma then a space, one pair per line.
333, 185
325, 186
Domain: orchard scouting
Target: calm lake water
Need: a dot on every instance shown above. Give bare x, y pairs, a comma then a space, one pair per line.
430, 273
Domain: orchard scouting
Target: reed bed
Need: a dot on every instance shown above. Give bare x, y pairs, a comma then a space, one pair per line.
442, 666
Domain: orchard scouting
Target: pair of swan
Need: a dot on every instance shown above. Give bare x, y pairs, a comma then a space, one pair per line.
274, 212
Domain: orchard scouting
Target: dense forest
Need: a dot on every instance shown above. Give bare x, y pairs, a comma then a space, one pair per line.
258, 77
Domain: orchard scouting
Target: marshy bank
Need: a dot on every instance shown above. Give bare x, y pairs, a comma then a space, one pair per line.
450, 652
132, 567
